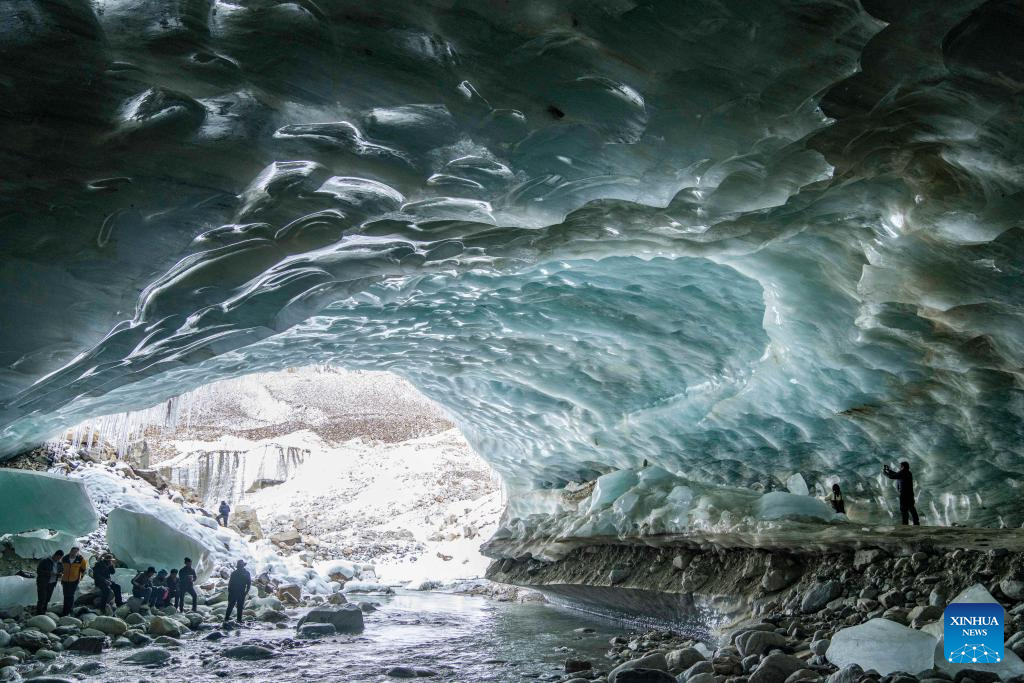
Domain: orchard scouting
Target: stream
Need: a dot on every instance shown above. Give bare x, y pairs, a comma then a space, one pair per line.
463, 638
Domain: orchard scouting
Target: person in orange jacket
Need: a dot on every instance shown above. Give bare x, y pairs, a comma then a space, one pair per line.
73, 566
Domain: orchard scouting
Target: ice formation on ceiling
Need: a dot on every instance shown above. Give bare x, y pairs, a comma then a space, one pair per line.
737, 239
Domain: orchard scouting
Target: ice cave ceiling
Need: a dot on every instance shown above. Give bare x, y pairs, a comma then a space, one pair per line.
737, 238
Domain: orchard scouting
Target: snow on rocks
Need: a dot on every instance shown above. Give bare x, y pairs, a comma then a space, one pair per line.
884, 646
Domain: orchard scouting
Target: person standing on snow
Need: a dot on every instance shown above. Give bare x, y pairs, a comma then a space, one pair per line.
73, 568
905, 486
224, 511
47, 576
238, 589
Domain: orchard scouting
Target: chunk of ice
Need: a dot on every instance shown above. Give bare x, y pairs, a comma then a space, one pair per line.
38, 500
609, 487
141, 540
41, 543
782, 505
797, 485
17, 590
882, 645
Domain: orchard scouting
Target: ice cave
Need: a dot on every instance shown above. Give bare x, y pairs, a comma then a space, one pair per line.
656, 281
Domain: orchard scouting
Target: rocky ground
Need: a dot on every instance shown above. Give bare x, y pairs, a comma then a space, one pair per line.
30, 643
798, 615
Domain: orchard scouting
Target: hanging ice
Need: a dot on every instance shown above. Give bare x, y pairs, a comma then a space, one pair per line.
37, 500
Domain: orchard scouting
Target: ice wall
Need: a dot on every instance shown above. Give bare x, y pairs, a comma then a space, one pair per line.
739, 240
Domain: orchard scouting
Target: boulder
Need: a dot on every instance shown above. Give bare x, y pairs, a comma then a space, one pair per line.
41, 623
976, 675
288, 538
802, 675
1012, 588
780, 577
246, 522
30, 639
248, 652
271, 616
924, 614
112, 626
776, 668
576, 665
758, 642
882, 645
819, 595
680, 660
91, 645
164, 626
864, 558
654, 661
148, 656
289, 593
316, 630
645, 676
345, 619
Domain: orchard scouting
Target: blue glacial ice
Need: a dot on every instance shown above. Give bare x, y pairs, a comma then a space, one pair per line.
34, 501
737, 240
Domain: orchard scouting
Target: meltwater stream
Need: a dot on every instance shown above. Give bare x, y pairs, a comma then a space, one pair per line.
461, 638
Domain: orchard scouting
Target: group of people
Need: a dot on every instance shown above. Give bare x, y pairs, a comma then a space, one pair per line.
163, 588
153, 588
904, 486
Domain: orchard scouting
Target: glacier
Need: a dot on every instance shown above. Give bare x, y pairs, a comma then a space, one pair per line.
736, 240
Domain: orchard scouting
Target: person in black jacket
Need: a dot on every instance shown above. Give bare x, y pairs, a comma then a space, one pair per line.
905, 486
172, 589
223, 511
47, 576
186, 586
836, 500
239, 584
103, 575
142, 585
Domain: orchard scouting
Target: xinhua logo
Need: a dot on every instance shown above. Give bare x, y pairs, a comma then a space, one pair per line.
973, 633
